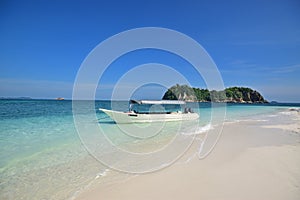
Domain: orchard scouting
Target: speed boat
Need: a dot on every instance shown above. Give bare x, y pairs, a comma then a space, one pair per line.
143, 111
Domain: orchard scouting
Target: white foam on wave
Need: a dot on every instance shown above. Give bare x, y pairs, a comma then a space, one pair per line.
232, 121
290, 111
294, 109
286, 113
246, 120
199, 130
88, 185
271, 115
187, 160
102, 174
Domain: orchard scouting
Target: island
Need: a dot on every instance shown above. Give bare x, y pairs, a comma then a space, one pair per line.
229, 95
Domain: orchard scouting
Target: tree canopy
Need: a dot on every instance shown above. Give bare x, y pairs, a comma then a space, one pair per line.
231, 94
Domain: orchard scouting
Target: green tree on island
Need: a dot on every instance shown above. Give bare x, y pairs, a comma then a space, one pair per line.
231, 94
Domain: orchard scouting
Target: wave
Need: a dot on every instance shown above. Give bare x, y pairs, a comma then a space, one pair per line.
102, 174
199, 130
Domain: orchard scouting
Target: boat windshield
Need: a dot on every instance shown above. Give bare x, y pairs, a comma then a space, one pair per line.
146, 106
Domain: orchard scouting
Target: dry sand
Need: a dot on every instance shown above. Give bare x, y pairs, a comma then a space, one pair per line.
251, 161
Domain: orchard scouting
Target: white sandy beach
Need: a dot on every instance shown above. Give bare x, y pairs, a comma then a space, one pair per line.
253, 160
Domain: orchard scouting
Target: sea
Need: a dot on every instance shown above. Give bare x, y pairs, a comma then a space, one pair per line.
46, 154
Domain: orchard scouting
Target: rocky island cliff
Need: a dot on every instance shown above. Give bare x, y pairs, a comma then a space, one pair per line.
231, 94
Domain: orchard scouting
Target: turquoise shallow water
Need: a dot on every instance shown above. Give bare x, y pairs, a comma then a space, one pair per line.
42, 156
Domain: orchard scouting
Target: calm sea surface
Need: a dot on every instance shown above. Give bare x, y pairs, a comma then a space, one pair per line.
42, 156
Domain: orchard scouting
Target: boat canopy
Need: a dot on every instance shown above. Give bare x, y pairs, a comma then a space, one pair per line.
176, 102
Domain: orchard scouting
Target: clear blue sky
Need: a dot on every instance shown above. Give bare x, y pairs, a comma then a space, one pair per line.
254, 43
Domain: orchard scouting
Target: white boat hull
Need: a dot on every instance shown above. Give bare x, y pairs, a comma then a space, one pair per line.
131, 117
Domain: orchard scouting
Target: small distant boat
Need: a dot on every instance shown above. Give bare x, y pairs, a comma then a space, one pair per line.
60, 98
152, 111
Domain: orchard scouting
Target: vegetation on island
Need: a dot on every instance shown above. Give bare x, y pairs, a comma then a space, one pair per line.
231, 94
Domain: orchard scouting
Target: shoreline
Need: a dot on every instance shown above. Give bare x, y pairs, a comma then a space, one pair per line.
253, 160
